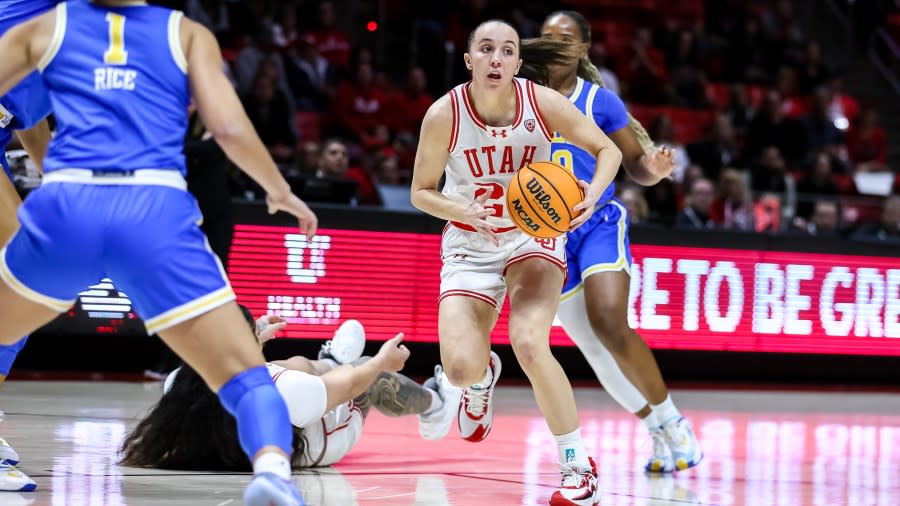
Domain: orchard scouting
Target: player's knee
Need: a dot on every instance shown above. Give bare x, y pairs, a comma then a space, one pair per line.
610, 329
463, 373
530, 349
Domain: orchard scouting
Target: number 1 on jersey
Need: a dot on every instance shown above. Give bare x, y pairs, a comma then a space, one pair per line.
116, 54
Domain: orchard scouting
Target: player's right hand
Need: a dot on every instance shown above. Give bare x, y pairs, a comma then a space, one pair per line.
474, 215
393, 354
292, 204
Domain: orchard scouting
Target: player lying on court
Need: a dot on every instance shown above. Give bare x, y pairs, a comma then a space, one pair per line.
328, 400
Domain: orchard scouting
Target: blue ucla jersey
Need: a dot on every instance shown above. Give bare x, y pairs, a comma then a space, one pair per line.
13, 12
118, 83
608, 112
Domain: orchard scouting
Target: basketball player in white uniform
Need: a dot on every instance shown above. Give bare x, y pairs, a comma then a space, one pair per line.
479, 134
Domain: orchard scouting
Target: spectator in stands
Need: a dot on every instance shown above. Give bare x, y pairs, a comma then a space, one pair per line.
688, 80
748, 58
387, 169
334, 163
820, 128
819, 180
647, 71
632, 196
866, 141
740, 111
284, 30
770, 172
719, 150
408, 107
272, 117
824, 222
310, 77
662, 132
260, 54
887, 230
600, 58
814, 72
842, 105
698, 203
733, 208
793, 103
770, 127
308, 159
767, 214
359, 106
662, 199
329, 41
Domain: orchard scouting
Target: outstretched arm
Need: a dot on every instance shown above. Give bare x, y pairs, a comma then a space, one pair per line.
22, 47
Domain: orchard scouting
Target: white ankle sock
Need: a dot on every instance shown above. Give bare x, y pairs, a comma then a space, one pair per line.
273, 462
651, 421
666, 411
571, 448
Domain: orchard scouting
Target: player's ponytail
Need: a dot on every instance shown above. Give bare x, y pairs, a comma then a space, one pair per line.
538, 55
589, 72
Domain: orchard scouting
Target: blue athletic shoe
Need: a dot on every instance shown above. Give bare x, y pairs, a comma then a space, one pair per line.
661, 459
267, 489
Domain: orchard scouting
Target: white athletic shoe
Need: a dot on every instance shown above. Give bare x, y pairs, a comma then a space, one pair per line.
660, 460
346, 345
435, 424
683, 444
13, 480
475, 416
578, 488
7, 454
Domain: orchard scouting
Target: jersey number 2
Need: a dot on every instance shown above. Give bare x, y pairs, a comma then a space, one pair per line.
495, 193
116, 54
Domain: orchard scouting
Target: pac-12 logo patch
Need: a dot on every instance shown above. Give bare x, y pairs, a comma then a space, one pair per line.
529, 125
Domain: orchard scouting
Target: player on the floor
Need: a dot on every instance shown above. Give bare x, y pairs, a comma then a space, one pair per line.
594, 303
113, 202
478, 135
188, 430
22, 109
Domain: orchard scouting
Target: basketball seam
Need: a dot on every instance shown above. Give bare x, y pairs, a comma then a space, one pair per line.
536, 213
555, 189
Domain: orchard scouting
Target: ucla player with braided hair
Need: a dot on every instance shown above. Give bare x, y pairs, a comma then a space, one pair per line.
23, 109
113, 202
594, 303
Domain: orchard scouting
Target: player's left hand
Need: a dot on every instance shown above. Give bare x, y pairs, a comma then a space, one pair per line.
586, 206
267, 326
291, 204
660, 162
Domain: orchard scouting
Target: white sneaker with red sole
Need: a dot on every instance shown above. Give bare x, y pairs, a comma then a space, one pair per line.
579, 486
476, 414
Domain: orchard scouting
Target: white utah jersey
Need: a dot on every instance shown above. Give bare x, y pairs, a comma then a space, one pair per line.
483, 158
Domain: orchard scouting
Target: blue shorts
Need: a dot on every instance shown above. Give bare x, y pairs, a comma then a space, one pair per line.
600, 245
145, 238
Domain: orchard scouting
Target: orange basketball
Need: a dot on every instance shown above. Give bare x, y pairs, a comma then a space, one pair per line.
540, 199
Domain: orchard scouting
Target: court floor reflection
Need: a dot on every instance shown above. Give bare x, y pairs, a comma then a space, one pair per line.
761, 448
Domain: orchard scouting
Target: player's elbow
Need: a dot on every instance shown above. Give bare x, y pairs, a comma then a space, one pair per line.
229, 132
611, 152
416, 197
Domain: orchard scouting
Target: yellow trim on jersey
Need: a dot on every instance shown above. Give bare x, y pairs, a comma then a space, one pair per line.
579, 83
20, 288
190, 310
175, 40
622, 261
589, 105
59, 32
571, 293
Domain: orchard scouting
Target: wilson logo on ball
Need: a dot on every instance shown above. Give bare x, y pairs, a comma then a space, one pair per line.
540, 198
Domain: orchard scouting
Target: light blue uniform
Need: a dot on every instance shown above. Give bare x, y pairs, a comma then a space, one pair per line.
28, 102
114, 202
601, 244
